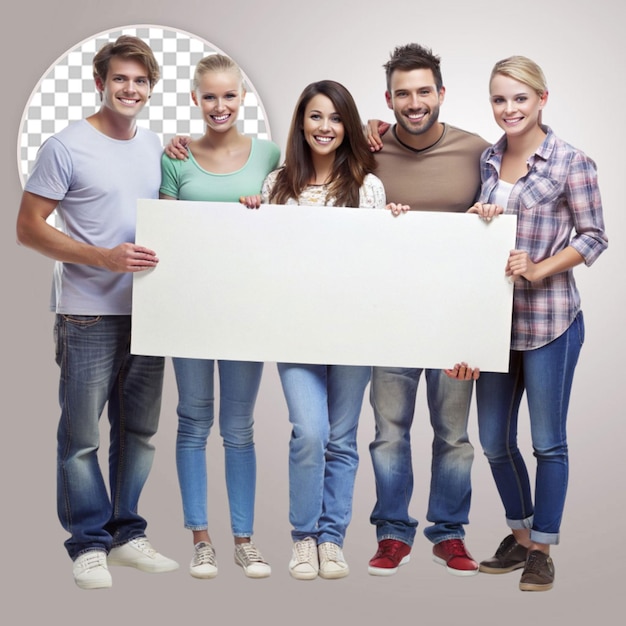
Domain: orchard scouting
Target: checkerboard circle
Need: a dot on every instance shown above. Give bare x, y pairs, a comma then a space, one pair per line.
67, 92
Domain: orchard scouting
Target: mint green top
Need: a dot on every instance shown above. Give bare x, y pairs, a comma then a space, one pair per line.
186, 180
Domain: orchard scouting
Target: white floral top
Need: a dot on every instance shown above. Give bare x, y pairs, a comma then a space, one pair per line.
371, 194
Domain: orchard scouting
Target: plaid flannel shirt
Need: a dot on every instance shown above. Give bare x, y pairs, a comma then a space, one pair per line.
558, 195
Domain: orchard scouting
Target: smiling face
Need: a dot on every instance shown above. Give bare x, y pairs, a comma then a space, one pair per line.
516, 106
414, 99
126, 88
219, 95
322, 126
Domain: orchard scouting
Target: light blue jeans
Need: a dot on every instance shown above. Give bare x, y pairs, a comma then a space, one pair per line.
324, 403
546, 375
239, 384
97, 369
392, 394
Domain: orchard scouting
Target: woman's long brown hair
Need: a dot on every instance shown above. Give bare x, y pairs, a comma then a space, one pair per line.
353, 159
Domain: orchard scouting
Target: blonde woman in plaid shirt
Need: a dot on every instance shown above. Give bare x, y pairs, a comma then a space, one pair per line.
552, 188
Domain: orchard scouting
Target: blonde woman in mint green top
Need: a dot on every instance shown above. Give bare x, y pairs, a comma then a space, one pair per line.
222, 166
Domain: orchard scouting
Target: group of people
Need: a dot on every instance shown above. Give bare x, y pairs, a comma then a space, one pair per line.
418, 163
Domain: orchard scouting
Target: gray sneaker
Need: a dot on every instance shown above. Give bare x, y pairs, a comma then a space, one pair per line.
304, 564
509, 556
248, 556
90, 570
203, 564
538, 574
332, 563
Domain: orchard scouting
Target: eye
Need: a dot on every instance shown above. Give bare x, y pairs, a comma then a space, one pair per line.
521, 99
335, 119
497, 100
208, 96
315, 116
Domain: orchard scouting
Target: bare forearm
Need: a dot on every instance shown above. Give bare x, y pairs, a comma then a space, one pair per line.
520, 264
52, 243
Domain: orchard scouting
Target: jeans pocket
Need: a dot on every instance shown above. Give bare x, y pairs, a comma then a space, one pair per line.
81, 320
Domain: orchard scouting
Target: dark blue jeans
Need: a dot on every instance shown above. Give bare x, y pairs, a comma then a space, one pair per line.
546, 375
97, 369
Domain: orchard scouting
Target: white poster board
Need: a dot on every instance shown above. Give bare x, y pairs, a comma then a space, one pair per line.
323, 285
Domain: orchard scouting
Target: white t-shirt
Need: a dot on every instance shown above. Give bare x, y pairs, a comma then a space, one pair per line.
97, 181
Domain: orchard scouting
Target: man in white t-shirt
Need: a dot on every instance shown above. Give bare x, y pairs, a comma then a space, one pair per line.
92, 173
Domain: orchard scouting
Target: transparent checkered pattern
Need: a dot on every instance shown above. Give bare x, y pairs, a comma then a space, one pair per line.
67, 92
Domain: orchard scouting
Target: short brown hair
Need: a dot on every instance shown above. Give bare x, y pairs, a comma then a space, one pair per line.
126, 47
413, 57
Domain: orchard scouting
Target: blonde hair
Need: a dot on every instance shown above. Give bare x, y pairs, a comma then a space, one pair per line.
215, 63
523, 70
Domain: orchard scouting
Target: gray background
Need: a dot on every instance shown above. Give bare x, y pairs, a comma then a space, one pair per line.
282, 46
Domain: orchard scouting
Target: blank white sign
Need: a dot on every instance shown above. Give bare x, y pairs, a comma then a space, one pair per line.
323, 285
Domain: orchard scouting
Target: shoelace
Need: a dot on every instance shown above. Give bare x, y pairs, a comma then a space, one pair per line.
456, 547
205, 555
533, 564
304, 550
508, 544
141, 543
91, 559
330, 551
388, 550
251, 553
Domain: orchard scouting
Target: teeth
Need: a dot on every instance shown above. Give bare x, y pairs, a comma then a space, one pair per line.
127, 101
323, 139
220, 118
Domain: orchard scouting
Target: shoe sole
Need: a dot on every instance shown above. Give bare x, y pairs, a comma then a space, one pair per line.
535, 587
105, 584
334, 575
305, 576
387, 571
149, 568
203, 576
253, 574
453, 571
501, 570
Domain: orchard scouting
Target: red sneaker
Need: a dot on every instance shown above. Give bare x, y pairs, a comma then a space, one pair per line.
454, 555
390, 555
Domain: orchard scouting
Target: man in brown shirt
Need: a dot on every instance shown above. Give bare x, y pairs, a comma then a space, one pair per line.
430, 166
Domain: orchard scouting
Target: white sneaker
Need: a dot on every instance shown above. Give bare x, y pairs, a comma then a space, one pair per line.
90, 570
332, 563
249, 557
304, 564
203, 564
140, 554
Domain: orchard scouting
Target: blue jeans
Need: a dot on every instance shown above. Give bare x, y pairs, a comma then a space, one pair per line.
392, 395
546, 375
93, 353
239, 385
324, 403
